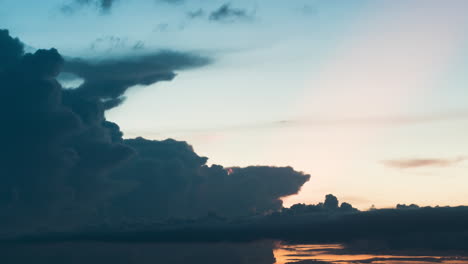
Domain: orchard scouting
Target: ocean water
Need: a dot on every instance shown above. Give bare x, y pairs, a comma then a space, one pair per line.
340, 254
262, 252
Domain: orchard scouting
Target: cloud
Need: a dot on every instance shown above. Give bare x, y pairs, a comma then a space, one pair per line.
226, 13
418, 163
309, 9
330, 205
53, 156
318, 122
103, 5
110, 43
109, 79
63, 164
389, 120
172, 172
427, 229
176, 2
11, 50
196, 14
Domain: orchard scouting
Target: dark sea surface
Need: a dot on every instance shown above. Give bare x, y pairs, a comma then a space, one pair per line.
263, 252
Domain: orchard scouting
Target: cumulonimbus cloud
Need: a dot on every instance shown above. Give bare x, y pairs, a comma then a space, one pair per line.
64, 164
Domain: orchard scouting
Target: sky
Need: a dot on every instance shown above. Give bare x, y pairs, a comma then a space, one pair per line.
368, 97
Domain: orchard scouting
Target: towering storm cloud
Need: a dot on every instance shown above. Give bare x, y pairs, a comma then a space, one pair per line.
63, 164
11, 49
52, 156
173, 181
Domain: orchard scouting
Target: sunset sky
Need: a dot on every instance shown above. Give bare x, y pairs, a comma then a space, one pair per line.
368, 97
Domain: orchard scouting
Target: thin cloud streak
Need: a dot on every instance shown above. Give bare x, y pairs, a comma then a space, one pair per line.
391, 120
418, 163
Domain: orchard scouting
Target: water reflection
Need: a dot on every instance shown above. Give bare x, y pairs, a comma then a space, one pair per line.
261, 252
137, 253
338, 254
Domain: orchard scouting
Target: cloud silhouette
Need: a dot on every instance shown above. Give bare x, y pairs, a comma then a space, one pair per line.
68, 176
419, 163
11, 50
103, 5
63, 164
108, 79
226, 13
172, 172
57, 148
433, 229
438, 231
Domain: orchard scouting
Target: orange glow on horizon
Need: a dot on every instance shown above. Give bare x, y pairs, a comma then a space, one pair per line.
326, 252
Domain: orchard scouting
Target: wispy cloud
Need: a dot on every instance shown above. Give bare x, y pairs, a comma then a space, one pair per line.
103, 5
226, 13
378, 120
196, 14
422, 162
318, 121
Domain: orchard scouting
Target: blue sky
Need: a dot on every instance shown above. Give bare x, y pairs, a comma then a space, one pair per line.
332, 88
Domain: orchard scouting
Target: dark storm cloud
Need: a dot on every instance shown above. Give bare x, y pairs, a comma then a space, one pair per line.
425, 231
172, 172
418, 163
226, 13
63, 164
51, 157
410, 231
109, 79
11, 50
439, 228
